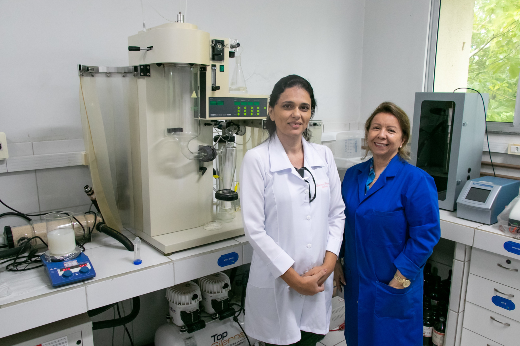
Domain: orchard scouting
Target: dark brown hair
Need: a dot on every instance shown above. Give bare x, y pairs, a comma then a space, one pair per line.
278, 89
404, 123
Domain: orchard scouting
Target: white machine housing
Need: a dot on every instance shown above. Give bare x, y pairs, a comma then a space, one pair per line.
214, 287
225, 332
183, 297
482, 199
153, 181
71, 331
174, 199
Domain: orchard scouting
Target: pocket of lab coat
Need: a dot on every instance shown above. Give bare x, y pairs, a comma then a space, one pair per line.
259, 274
388, 228
393, 302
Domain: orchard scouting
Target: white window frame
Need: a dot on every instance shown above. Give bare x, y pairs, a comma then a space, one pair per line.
429, 78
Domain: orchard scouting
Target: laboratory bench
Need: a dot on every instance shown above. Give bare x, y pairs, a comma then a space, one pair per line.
485, 282
33, 302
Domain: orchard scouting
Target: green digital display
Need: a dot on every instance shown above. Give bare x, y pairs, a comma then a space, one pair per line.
220, 103
256, 103
243, 103
237, 103
213, 103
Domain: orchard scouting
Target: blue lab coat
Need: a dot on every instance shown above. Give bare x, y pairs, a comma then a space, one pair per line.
395, 225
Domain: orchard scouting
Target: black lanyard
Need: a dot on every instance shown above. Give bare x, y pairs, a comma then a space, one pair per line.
301, 172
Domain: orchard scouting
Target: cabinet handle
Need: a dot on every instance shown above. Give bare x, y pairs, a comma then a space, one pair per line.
504, 294
504, 323
504, 267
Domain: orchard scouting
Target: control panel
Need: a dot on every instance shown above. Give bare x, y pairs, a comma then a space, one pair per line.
237, 107
69, 272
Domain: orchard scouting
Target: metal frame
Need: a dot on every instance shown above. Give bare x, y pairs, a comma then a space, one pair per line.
431, 48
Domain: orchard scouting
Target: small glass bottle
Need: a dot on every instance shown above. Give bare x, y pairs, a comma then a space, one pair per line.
435, 291
238, 81
427, 278
427, 328
439, 330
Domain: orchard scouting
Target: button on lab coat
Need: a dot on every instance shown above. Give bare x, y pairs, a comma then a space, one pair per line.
287, 231
395, 225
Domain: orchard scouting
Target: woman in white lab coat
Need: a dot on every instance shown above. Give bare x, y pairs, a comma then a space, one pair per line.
294, 218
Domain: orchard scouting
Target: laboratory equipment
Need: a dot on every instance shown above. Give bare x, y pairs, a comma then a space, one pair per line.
137, 251
184, 308
226, 194
238, 81
64, 262
447, 140
514, 216
215, 295
482, 199
14, 235
217, 333
189, 327
149, 171
71, 331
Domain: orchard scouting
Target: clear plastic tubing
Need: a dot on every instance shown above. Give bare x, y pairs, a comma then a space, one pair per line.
137, 251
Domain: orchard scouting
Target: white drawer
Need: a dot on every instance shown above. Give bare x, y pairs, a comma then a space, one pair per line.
502, 330
495, 267
496, 243
472, 339
493, 296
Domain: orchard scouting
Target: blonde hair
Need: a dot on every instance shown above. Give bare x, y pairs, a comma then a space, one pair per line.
404, 123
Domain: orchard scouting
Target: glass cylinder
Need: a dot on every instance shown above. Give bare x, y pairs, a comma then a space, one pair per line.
182, 100
225, 211
238, 81
227, 159
60, 233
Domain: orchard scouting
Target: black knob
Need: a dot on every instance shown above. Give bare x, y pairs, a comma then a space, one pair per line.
508, 261
195, 296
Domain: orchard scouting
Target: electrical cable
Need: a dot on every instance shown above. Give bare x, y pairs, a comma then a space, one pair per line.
124, 325
116, 322
23, 263
241, 306
485, 122
20, 215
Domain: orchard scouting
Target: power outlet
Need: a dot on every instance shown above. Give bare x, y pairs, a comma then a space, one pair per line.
513, 149
4, 154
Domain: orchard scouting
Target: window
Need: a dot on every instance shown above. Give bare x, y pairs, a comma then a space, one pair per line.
478, 46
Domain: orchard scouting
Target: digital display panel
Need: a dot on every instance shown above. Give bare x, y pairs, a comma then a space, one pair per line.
477, 195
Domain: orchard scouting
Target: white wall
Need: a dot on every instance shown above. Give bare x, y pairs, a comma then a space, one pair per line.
43, 41
394, 53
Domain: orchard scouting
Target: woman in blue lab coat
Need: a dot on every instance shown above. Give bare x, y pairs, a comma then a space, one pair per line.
391, 227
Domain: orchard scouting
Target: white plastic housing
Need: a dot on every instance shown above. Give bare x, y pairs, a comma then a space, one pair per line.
171, 42
214, 287
4, 154
183, 297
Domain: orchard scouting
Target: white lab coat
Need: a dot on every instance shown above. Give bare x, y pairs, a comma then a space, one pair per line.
286, 231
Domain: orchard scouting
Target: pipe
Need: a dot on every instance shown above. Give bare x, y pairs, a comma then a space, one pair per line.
117, 322
120, 237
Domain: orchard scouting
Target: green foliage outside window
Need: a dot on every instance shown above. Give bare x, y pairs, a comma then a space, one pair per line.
494, 63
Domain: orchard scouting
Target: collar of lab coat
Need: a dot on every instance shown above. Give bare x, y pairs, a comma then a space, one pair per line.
279, 160
392, 169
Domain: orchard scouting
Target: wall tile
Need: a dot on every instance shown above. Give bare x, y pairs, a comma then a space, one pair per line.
20, 149
62, 188
18, 190
55, 147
